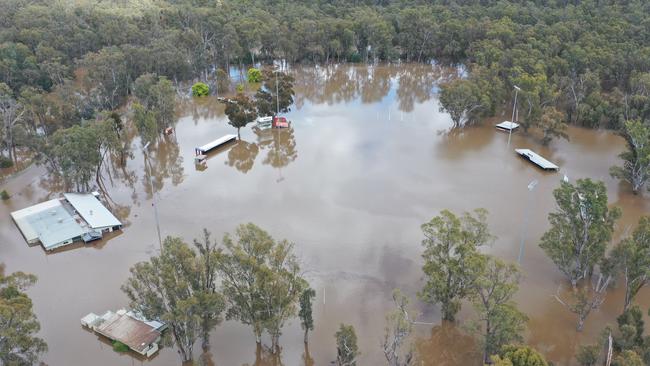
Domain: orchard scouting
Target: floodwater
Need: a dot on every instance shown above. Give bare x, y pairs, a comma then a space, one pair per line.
369, 159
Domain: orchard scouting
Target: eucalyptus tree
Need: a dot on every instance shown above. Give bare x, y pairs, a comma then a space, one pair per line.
499, 321
581, 228
261, 281
632, 257
347, 350
305, 313
396, 345
462, 99
276, 94
240, 111
157, 94
11, 112
636, 159
171, 287
451, 260
19, 344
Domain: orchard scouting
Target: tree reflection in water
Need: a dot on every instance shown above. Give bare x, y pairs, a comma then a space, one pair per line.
306, 357
242, 156
264, 357
448, 346
336, 83
164, 162
282, 150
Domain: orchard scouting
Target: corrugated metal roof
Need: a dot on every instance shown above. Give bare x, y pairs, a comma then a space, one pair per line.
537, 159
220, 141
92, 211
20, 217
54, 226
134, 333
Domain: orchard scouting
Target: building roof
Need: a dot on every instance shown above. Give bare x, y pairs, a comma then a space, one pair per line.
54, 226
49, 222
92, 210
537, 159
220, 141
20, 217
136, 334
507, 125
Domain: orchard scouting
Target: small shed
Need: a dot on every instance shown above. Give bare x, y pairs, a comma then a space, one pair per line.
129, 328
537, 159
507, 126
202, 150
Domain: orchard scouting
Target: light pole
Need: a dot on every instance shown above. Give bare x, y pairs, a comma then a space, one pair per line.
277, 93
153, 194
531, 187
512, 120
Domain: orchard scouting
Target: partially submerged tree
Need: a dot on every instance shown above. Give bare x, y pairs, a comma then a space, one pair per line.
451, 261
171, 288
11, 112
18, 323
347, 350
589, 297
552, 125
305, 313
632, 257
276, 93
261, 280
636, 159
461, 98
157, 95
499, 321
581, 228
396, 346
240, 112
209, 298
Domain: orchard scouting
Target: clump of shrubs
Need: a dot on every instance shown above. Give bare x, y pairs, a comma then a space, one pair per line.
4, 195
254, 75
200, 89
120, 347
5, 162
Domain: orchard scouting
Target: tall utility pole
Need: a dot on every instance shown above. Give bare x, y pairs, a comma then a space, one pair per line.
153, 194
514, 107
277, 93
531, 187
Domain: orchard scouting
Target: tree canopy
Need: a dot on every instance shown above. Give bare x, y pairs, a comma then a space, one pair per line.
18, 324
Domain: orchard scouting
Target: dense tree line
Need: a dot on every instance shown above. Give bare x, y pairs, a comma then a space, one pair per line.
583, 62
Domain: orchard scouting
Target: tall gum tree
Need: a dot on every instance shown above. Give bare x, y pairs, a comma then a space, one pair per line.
581, 228
451, 259
636, 159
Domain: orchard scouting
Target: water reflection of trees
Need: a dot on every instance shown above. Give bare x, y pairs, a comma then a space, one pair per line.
416, 84
264, 357
242, 156
201, 108
448, 346
282, 150
342, 83
164, 162
279, 143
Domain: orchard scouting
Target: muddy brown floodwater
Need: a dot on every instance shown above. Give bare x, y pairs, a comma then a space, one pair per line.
369, 158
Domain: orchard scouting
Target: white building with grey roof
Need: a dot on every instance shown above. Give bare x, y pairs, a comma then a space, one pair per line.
59, 222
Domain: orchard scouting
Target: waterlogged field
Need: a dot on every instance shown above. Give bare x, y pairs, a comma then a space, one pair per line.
368, 159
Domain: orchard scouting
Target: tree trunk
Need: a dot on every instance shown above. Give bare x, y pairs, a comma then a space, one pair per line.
306, 335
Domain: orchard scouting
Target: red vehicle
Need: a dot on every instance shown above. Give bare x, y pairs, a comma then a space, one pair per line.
280, 122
